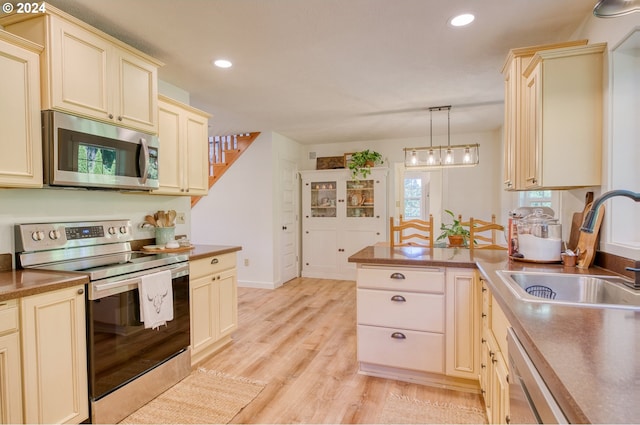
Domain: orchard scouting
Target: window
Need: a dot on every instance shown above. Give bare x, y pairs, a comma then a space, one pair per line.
415, 196
538, 198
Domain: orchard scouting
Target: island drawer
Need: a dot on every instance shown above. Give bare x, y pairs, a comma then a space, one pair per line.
8, 316
210, 265
404, 279
406, 310
423, 351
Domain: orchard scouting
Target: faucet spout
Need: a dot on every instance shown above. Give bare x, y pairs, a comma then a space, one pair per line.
592, 215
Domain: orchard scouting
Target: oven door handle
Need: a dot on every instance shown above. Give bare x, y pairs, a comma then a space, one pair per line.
101, 290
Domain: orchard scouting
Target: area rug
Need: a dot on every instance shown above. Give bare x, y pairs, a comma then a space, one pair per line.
400, 409
203, 397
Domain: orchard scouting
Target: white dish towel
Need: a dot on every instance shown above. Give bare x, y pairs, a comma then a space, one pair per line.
156, 299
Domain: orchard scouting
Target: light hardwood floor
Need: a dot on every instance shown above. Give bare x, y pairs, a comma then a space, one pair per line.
301, 340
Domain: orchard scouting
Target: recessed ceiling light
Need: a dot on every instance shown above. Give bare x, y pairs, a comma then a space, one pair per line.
222, 63
462, 20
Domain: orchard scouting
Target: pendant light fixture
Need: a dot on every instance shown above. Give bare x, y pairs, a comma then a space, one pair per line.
615, 8
441, 156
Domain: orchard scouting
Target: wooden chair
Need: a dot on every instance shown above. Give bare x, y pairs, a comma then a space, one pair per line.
421, 232
478, 240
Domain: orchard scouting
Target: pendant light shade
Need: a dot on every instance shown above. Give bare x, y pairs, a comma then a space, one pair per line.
441, 156
615, 8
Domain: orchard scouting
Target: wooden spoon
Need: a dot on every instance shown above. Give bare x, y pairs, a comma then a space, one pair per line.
171, 217
149, 219
160, 219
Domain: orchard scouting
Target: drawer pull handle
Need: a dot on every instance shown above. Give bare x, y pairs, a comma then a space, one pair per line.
80, 291
398, 335
397, 276
214, 261
399, 298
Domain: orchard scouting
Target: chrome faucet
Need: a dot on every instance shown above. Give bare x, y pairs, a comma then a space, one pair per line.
592, 215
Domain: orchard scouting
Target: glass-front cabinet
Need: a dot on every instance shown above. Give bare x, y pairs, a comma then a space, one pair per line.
360, 198
340, 216
341, 197
323, 198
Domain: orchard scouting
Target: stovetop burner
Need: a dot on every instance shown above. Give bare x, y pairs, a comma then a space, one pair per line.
99, 249
106, 266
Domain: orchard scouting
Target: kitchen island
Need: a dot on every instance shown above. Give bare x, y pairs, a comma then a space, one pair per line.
588, 357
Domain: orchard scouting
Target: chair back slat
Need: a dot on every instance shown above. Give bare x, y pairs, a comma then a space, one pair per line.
483, 234
411, 232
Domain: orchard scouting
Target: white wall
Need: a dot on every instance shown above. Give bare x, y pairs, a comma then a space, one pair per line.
47, 205
475, 191
239, 210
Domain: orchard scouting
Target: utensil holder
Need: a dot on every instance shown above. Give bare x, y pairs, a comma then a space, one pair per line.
165, 234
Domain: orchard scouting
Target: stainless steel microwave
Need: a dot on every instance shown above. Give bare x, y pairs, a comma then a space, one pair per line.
79, 152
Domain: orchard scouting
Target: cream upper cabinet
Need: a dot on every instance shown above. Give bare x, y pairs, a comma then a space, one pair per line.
214, 304
55, 357
463, 323
10, 364
20, 134
563, 118
514, 109
184, 150
89, 73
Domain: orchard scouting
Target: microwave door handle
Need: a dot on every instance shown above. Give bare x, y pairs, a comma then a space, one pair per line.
143, 160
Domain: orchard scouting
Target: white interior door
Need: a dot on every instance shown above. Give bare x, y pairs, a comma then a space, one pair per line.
289, 221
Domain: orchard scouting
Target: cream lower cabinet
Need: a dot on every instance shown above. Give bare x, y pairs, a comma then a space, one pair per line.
20, 134
463, 326
419, 324
184, 153
401, 322
87, 72
10, 364
54, 357
494, 370
213, 303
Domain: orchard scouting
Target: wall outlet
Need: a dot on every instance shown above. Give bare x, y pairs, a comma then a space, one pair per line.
246, 262
180, 218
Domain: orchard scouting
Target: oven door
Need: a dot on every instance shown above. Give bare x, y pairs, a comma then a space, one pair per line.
85, 153
120, 348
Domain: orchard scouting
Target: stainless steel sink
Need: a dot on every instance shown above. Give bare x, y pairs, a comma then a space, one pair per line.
572, 289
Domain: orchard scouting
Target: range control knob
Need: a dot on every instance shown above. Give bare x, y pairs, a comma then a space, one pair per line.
38, 235
112, 230
123, 230
54, 234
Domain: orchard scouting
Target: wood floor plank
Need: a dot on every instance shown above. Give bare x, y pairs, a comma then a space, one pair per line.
300, 339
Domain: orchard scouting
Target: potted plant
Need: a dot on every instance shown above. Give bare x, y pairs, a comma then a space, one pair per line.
361, 162
455, 232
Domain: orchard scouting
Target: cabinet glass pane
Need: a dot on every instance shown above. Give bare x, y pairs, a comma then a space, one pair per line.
360, 198
323, 199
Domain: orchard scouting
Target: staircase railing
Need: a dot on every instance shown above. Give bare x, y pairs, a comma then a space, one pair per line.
223, 152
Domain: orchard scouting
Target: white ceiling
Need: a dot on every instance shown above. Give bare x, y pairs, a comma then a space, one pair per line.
324, 71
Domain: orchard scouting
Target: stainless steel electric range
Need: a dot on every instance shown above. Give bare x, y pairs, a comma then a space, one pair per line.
128, 364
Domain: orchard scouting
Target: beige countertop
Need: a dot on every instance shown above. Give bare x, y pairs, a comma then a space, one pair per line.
589, 357
21, 283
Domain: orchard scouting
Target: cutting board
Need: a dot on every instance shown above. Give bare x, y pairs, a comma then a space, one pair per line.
587, 242
576, 222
